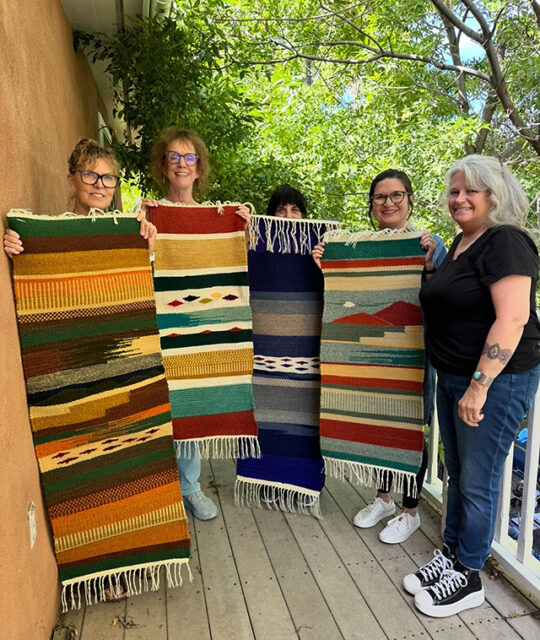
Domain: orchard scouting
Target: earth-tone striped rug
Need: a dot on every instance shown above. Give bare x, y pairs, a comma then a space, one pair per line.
98, 403
372, 357
202, 295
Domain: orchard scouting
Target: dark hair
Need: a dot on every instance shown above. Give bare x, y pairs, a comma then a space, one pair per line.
157, 162
390, 173
285, 195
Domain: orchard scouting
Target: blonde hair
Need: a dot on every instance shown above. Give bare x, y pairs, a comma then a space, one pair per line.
157, 156
85, 154
486, 173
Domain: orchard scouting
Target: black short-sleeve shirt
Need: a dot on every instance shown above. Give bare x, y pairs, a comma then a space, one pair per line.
457, 304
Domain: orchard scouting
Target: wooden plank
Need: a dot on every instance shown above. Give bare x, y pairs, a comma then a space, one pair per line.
528, 626
487, 624
73, 619
397, 620
186, 605
395, 561
226, 606
349, 608
102, 621
312, 617
504, 597
266, 606
146, 615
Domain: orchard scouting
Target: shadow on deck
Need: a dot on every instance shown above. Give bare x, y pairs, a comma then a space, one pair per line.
264, 575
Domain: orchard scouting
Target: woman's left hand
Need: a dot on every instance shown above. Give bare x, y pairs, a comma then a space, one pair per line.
244, 213
428, 243
471, 404
147, 230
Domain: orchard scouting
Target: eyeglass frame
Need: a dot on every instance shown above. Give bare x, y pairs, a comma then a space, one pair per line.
389, 195
99, 177
165, 158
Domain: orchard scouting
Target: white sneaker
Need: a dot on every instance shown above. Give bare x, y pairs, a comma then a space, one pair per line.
200, 505
373, 513
400, 528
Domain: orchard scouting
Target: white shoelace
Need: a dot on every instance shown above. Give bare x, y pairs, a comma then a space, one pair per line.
449, 583
438, 566
376, 505
400, 523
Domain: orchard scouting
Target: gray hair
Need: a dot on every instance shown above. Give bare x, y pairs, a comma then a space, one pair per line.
486, 173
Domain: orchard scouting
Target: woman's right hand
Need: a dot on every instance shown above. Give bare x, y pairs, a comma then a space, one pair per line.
147, 204
12, 243
317, 253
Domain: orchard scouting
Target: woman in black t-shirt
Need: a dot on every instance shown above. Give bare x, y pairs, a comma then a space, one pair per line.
483, 331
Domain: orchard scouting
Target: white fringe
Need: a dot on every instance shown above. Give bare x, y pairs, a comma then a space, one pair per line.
283, 232
369, 475
222, 447
352, 237
144, 577
259, 493
93, 214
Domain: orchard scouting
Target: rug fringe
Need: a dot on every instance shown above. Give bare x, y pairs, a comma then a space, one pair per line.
220, 447
92, 214
280, 233
352, 237
144, 577
259, 493
369, 475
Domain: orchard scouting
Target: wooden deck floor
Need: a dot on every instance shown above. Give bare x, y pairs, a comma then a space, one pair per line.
264, 575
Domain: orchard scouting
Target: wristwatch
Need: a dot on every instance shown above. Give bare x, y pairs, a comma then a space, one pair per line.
482, 379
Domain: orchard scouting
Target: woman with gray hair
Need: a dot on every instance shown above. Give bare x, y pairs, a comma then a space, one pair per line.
483, 331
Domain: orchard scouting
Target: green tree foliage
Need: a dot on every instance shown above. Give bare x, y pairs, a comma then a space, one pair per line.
326, 95
164, 72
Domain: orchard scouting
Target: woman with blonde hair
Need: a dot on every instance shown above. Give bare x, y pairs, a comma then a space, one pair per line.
92, 178
180, 165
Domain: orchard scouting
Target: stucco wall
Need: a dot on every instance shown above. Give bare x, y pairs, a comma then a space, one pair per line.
48, 100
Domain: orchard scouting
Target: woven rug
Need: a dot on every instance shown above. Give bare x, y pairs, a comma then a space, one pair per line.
372, 357
98, 403
286, 301
202, 297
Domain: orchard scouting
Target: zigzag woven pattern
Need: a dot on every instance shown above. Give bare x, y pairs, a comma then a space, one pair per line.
202, 297
372, 357
98, 402
286, 300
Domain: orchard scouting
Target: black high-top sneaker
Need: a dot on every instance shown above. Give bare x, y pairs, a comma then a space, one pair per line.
458, 589
430, 573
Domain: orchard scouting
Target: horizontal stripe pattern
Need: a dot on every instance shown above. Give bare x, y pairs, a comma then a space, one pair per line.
372, 355
286, 301
202, 296
97, 394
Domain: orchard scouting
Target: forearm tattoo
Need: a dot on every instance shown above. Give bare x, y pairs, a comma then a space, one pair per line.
494, 352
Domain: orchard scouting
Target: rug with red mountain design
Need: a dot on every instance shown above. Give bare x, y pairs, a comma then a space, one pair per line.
372, 357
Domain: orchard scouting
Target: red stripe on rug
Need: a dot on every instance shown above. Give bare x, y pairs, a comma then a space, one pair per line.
384, 383
241, 423
372, 434
370, 262
189, 220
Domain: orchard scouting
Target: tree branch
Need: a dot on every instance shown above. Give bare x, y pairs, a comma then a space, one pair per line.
536, 9
445, 10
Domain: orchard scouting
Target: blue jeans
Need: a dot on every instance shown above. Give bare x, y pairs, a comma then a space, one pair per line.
189, 471
475, 457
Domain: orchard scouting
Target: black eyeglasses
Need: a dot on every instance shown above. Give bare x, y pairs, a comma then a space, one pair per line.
108, 180
396, 197
174, 158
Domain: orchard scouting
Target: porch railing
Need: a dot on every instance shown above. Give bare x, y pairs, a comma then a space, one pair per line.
514, 556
